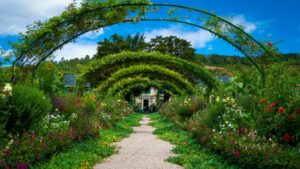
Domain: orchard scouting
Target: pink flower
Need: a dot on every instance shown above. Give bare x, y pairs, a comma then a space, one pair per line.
236, 154
272, 105
270, 44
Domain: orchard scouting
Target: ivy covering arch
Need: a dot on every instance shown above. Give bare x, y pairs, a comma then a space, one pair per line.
41, 40
100, 69
128, 83
152, 72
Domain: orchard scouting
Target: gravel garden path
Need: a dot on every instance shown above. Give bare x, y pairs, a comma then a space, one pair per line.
141, 150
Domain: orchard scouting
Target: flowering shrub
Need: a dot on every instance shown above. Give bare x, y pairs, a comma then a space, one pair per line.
278, 122
29, 148
48, 78
249, 150
4, 114
72, 120
181, 108
26, 106
261, 139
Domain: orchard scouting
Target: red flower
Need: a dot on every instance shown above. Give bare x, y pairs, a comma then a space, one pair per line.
266, 159
291, 117
298, 111
280, 110
267, 109
287, 137
272, 105
236, 154
270, 44
263, 101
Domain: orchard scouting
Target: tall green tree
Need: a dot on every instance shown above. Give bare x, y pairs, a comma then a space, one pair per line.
172, 45
117, 44
168, 45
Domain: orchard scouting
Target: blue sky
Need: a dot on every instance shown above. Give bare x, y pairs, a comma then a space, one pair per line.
268, 20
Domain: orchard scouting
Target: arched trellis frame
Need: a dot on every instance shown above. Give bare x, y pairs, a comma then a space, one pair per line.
128, 83
140, 86
99, 70
152, 72
43, 40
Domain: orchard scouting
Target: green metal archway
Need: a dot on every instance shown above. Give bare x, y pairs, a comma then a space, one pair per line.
44, 39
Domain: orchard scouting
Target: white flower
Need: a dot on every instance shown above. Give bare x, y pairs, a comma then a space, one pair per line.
2, 96
218, 99
7, 88
214, 130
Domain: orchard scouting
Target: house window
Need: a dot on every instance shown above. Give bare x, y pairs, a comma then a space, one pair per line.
146, 91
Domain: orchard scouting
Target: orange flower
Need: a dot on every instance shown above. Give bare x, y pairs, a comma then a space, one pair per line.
93, 97
77, 101
263, 101
267, 110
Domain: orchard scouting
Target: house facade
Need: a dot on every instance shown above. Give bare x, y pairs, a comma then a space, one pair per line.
148, 100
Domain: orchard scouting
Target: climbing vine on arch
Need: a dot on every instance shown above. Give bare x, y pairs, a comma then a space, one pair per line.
100, 69
41, 40
159, 84
152, 72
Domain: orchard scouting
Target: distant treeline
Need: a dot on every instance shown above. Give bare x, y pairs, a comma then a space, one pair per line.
222, 60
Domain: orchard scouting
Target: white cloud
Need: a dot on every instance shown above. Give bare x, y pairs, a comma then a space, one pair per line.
241, 20
199, 38
76, 50
93, 34
16, 14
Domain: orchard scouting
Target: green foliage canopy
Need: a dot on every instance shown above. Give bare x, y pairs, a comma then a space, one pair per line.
101, 69
127, 83
152, 72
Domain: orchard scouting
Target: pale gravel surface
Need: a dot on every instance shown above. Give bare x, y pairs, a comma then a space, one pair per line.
142, 150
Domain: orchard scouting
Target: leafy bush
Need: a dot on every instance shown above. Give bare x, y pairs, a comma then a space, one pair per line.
48, 78
26, 107
278, 122
198, 128
4, 114
30, 148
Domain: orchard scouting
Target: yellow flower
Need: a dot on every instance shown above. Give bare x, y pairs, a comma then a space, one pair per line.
49, 65
60, 74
